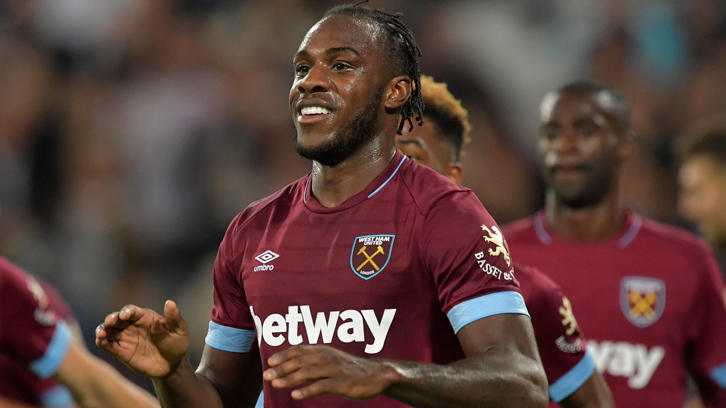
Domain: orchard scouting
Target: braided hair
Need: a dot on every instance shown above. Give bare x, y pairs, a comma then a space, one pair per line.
403, 50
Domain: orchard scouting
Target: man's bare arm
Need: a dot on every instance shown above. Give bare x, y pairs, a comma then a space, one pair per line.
502, 368
593, 393
95, 384
222, 380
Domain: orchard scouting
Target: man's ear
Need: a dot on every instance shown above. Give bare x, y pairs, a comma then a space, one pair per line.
398, 90
455, 172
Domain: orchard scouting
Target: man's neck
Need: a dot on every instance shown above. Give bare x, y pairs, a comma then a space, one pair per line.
331, 186
588, 224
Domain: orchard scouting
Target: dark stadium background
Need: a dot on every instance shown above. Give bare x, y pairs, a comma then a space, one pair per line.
132, 131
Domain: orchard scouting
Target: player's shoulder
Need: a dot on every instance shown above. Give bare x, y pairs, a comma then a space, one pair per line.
536, 286
17, 287
677, 245
21, 287
672, 239
10, 273
56, 302
519, 230
428, 188
283, 199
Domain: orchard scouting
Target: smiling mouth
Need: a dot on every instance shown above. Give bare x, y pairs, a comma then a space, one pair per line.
310, 111
568, 171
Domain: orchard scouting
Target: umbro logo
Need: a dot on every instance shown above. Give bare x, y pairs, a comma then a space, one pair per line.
264, 258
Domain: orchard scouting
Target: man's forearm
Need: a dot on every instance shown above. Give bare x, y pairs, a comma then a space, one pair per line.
95, 384
185, 389
491, 380
109, 389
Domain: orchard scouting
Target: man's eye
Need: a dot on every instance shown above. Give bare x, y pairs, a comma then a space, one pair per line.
339, 66
549, 134
302, 70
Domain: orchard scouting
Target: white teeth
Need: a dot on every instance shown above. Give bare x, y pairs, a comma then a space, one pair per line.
314, 110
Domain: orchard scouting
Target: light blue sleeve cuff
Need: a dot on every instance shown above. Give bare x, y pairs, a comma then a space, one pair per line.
573, 379
57, 397
48, 364
261, 401
485, 306
229, 339
718, 375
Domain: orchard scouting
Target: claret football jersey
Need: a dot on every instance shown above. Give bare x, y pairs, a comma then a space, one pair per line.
560, 341
34, 338
393, 272
650, 301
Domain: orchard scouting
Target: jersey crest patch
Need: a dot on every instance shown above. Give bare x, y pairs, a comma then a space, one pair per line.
642, 299
568, 318
496, 238
370, 254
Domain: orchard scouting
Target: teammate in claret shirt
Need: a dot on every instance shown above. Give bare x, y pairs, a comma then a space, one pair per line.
20, 385
372, 278
648, 296
570, 370
38, 353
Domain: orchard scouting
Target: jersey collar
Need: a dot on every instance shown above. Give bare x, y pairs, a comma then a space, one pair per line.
371, 190
631, 227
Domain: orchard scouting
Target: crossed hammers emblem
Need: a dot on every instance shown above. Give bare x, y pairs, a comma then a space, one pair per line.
369, 259
643, 304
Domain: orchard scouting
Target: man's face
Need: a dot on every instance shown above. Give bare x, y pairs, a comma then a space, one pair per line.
422, 146
579, 147
702, 197
337, 94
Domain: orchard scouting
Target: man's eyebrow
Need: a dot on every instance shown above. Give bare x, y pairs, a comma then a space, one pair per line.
334, 50
300, 53
337, 50
584, 120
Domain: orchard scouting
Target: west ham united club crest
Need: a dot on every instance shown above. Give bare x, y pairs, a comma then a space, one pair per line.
642, 299
371, 254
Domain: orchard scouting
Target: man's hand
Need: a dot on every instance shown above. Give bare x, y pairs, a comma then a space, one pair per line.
150, 344
329, 371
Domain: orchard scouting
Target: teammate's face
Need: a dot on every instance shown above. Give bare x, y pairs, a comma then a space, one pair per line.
702, 197
580, 148
337, 94
422, 146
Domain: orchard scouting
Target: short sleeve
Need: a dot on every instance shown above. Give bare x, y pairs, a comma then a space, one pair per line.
560, 341
470, 262
232, 327
707, 335
39, 340
57, 396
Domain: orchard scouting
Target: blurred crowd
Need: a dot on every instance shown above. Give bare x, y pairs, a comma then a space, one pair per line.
133, 131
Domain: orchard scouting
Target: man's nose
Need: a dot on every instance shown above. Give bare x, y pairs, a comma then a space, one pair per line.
317, 80
567, 140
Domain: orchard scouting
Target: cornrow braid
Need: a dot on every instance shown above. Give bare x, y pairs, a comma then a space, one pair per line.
404, 52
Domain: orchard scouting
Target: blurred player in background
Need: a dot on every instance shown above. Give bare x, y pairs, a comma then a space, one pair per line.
38, 352
570, 370
649, 296
370, 254
702, 182
21, 385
